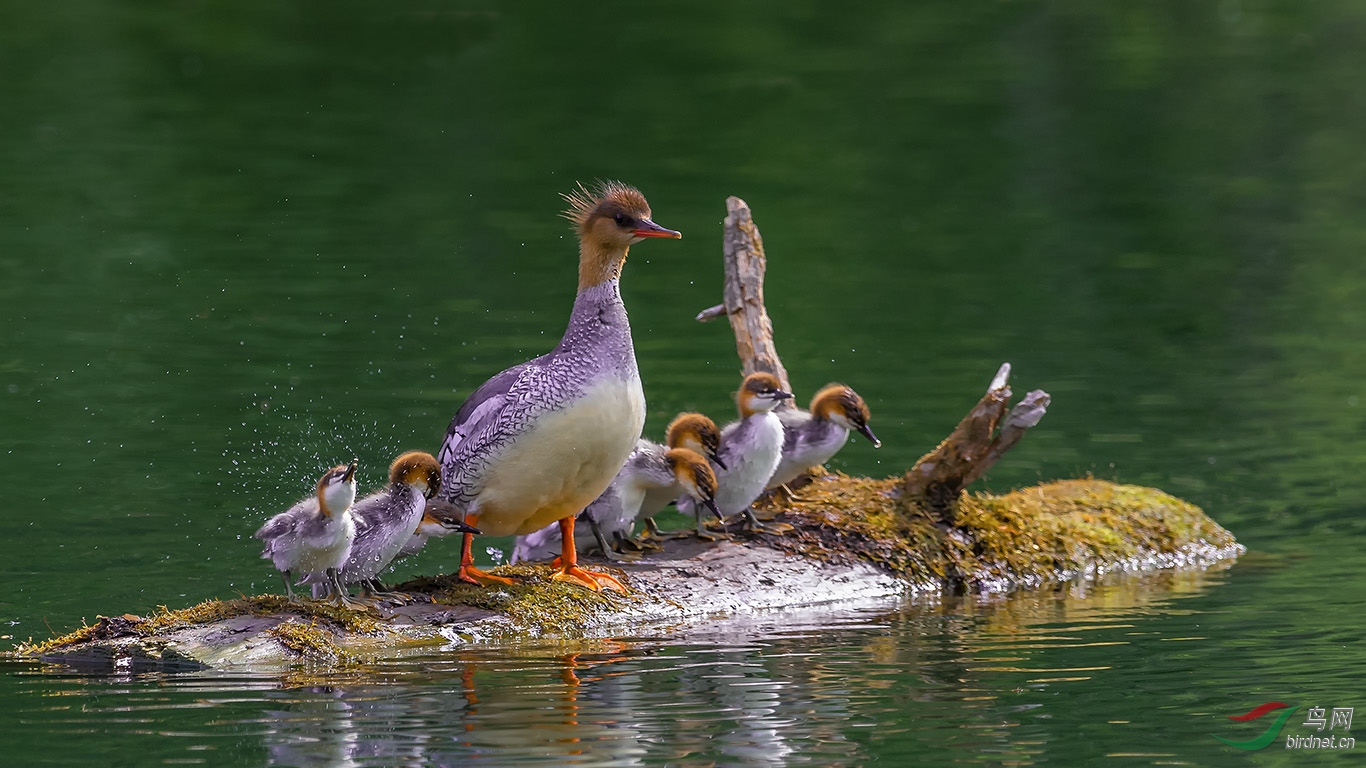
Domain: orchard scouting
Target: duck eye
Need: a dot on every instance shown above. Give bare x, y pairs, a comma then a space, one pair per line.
622, 220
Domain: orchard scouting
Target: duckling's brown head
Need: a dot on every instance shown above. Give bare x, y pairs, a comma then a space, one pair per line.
609, 218
842, 405
696, 433
760, 392
418, 469
693, 473
337, 489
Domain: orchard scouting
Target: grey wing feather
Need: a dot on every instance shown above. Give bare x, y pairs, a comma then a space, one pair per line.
792, 421
732, 438
477, 424
476, 409
371, 511
288, 521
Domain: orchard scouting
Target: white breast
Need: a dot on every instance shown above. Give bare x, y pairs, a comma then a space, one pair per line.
564, 461
751, 465
328, 549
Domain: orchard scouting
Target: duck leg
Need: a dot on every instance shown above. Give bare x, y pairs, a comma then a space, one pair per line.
706, 535
374, 589
569, 564
468, 573
288, 577
753, 525
340, 596
653, 531
606, 548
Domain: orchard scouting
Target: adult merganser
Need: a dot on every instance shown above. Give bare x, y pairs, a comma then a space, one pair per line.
811, 438
385, 521
539, 441
313, 537
750, 449
612, 514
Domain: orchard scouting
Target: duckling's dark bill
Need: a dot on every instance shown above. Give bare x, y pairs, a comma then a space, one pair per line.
864, 430
456, 526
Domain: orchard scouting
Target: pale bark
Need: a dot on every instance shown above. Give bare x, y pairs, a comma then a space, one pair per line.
743, 291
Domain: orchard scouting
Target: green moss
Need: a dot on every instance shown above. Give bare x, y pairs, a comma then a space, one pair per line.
534, 604
1036, 532
166, 620
311, 642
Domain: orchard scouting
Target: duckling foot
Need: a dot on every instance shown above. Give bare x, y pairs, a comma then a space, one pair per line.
792, 497
343, 600
704, 531
603, 546
639, 544
288, 577
613, 556
653, 532
375, 590
589, 579
681, 533
752, 525
471, 575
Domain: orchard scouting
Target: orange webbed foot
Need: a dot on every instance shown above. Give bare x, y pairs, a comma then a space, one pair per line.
588, 579
471, 575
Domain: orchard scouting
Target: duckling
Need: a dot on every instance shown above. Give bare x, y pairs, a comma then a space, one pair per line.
811, 438
694, 432
313, 537
440, 519
612, 514
385, 521
539, 441
751, 449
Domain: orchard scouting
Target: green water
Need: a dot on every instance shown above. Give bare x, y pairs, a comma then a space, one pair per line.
242, 242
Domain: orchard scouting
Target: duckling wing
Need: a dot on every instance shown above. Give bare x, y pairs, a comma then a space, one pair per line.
287, 521
793, 420
731, 450
607, 511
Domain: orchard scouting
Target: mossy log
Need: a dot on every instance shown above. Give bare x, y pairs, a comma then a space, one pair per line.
855, 541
